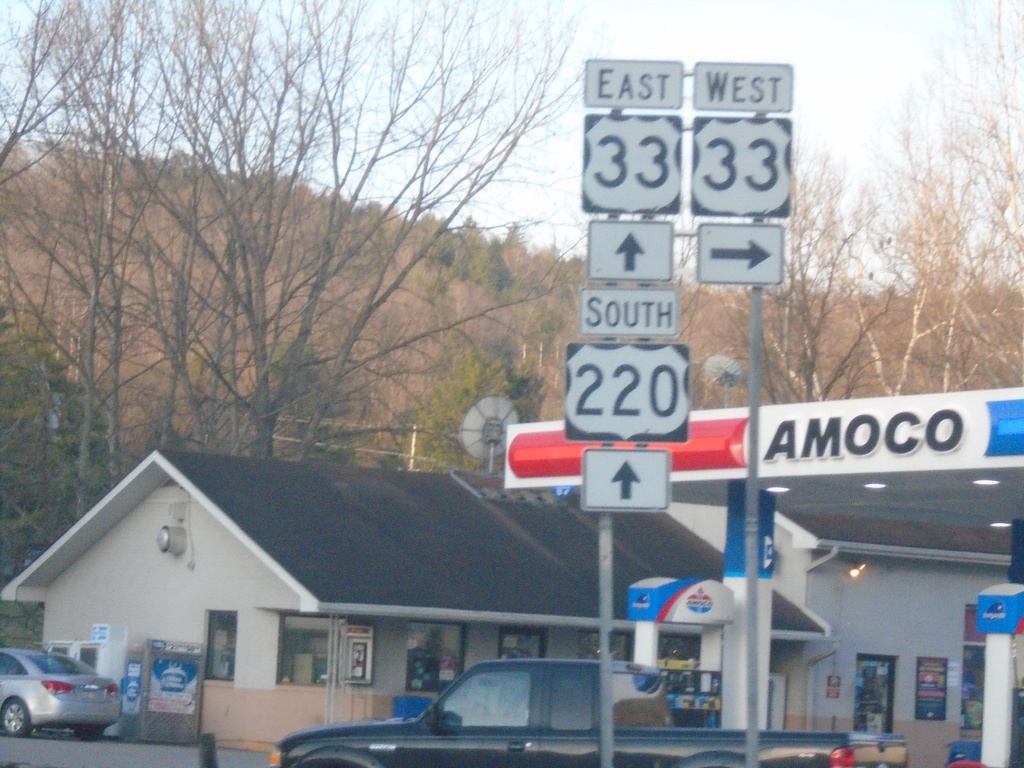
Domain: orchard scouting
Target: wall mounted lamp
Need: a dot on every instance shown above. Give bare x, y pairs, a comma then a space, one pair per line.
172, 539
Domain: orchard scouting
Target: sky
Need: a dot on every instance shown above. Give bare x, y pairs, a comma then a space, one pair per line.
853, 63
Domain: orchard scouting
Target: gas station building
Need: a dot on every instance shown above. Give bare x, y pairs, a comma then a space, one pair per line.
311, 592
892, 516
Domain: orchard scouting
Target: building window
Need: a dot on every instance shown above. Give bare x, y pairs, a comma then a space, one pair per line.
221, 635
520, 643
435, 656
304, 641
588, 646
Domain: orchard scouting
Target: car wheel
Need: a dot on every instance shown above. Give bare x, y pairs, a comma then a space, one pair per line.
15, 719
89, 732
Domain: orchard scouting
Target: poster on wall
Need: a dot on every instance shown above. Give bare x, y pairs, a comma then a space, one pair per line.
930, 696
172, 685
833, 686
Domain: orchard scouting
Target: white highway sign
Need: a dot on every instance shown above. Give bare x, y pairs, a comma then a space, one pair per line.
743, 87
630, 250
625, 480
645, 312
627, 392
741, 167
740, 254
632, 164
634, 84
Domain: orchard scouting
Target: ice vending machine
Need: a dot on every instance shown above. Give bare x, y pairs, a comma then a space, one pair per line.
162, 686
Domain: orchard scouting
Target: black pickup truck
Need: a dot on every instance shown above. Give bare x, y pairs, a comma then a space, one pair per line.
544, 713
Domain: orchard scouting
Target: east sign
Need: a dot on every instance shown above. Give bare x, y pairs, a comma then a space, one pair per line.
634, 84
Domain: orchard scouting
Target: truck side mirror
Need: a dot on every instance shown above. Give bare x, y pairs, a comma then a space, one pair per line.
442, 722
450, 722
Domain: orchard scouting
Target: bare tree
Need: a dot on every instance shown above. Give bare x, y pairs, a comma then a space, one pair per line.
36, 62
816, 325
937, 255
330, 148
981, 102
81, 291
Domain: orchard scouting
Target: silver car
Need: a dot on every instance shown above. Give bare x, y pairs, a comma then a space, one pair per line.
50, 690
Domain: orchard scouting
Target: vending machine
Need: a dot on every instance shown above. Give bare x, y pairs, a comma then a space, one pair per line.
163, 684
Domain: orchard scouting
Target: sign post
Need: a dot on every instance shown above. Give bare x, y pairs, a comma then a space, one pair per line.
741, 168
619, 390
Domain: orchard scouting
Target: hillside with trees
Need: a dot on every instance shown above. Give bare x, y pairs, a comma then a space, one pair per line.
253, 234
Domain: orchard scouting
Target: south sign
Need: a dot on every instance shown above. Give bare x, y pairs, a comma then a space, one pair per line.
643, 312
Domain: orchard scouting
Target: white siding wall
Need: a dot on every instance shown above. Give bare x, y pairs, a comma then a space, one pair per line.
125, 579
904, 609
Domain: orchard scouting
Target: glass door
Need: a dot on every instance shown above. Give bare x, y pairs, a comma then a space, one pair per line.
874, 696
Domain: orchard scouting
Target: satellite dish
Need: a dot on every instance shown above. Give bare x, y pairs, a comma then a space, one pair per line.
725, 372
483, 428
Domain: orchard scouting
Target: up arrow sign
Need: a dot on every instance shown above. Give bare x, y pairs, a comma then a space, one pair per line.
625, 480
625, 477
630, 248
638, 251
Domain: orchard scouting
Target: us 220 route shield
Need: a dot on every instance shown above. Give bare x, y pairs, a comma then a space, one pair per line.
627, 392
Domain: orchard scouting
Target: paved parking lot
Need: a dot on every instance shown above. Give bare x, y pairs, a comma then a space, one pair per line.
59, 751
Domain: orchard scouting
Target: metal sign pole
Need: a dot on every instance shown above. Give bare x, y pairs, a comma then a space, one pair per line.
607, 725
751, 527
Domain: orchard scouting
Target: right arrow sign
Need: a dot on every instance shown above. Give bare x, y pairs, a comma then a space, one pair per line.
740, 254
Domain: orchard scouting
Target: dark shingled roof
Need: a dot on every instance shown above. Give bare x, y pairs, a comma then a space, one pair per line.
911, 534
380, 537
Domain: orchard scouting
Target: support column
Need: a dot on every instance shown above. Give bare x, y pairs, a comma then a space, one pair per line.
734, 654
737, 634
1000, 617
999, 678
711, 648
645, 643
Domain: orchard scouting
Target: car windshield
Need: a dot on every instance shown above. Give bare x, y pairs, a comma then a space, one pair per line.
59, 664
